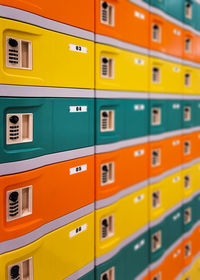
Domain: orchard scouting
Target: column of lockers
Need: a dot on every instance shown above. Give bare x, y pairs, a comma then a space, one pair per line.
47, 140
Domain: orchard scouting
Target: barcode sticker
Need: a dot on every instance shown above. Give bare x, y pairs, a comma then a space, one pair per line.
78, 169
76, 109
77, 48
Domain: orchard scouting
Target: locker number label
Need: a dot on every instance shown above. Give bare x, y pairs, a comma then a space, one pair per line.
77, 109
139, 107
78, 169
139, 198
76, 48
139, 15
77, 230
139, 61
176, 106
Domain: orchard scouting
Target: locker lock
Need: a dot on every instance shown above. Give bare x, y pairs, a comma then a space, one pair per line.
14, 272
105, 5
14, 119
105, 223
105, 277
14, 196
105, 168
105, 114
105, 60
13, 43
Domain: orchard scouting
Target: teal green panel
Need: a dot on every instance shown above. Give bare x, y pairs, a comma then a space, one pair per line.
190, 206
196, 211
191, 105
159, 106
118, 132
196, 16
173, 228
137, 256
72, 130
136, 118
117, 263
190, 21
160, 4
157, 253
196, 108
42, 127
88, 276
175, 8
174, 115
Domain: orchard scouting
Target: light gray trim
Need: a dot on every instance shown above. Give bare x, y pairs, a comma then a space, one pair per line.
191, 97
140, 3
191, 130
165, 215
142, 275
165, 174
170, 96
81, 272
101, 259
189, 233
34, 235
29, 164
30, 18
119, 145
111, 94
164, 135
191, 197
33, 91
120, 44
114, 198
189, 164
191, 29
165, 56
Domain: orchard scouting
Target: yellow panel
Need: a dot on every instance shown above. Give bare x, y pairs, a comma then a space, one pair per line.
170, 76
129, 215
193, 88
171, 193
196, 270
58, 254
188, 275
190, 172
127, 70
196, 176
53, 63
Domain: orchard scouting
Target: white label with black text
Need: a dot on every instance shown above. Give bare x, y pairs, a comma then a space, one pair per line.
78, 169
77, 109
77, 48
177, 32
176, 179
139, 153
139, 61
139, 198
176, 106
77, 230
139, 15
139, 107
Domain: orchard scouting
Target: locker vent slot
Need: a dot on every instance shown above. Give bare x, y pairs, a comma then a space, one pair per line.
156, 157
187, 80
156, 75
155, 116
188, 45
187, 113
107, 120
157, 276
107, 13
107, 173
187, 181
156, 199
187, 148
156, 241
21, 271
18, 53
188, 249
107, 227
187, 215
107, 67
156, 33
188, 10
109, 274
19, 128
19, 203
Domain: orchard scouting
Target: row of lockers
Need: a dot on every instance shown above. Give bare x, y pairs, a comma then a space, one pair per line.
154, 29
117, 69
172, 242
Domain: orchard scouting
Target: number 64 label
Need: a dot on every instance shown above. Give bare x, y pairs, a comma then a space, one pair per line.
77, 48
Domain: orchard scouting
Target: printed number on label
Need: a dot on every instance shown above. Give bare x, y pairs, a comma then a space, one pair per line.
76, 109
77, 230
78, 169
77, 48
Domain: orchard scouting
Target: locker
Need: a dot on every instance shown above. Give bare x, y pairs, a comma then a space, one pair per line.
118, 69
188, 113
196, 136
112, 169
113, 224
196, 269
196, 175
71, 15
189, 80
163, 74
189, 7
174, 115
157, 246
188, 214
174, 263
27, 131
173, 152
189, 247
164, 195
189, 45
188, 146
166, 37
113, 113
137, 256
110, 21
196, 104
30, 44
196, 206
176, 9
158, 116
196, 44
54, 255
189, 185
32, 192
196, 240
156, 158
157, 273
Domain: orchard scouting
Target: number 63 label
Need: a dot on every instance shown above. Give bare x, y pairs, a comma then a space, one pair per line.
77, 48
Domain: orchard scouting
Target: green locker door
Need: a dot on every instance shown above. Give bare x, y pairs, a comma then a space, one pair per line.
158, 116
73, 123
110, 121
189, 7
188, 215
157, 245
160, 4
196, 211
88, 276
175, 9
136, 118
196, 106
188, 113
26, 128
196, 16
174, 115
113, 266
137, 256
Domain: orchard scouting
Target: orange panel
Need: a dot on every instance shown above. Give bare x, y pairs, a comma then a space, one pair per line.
78, 13
55, 194
197, 49
171, 37
188, 259
196, 136
190, 55
158, 270
157, 169
130, 23
173, 152
196, 240
129, 169
188, 147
